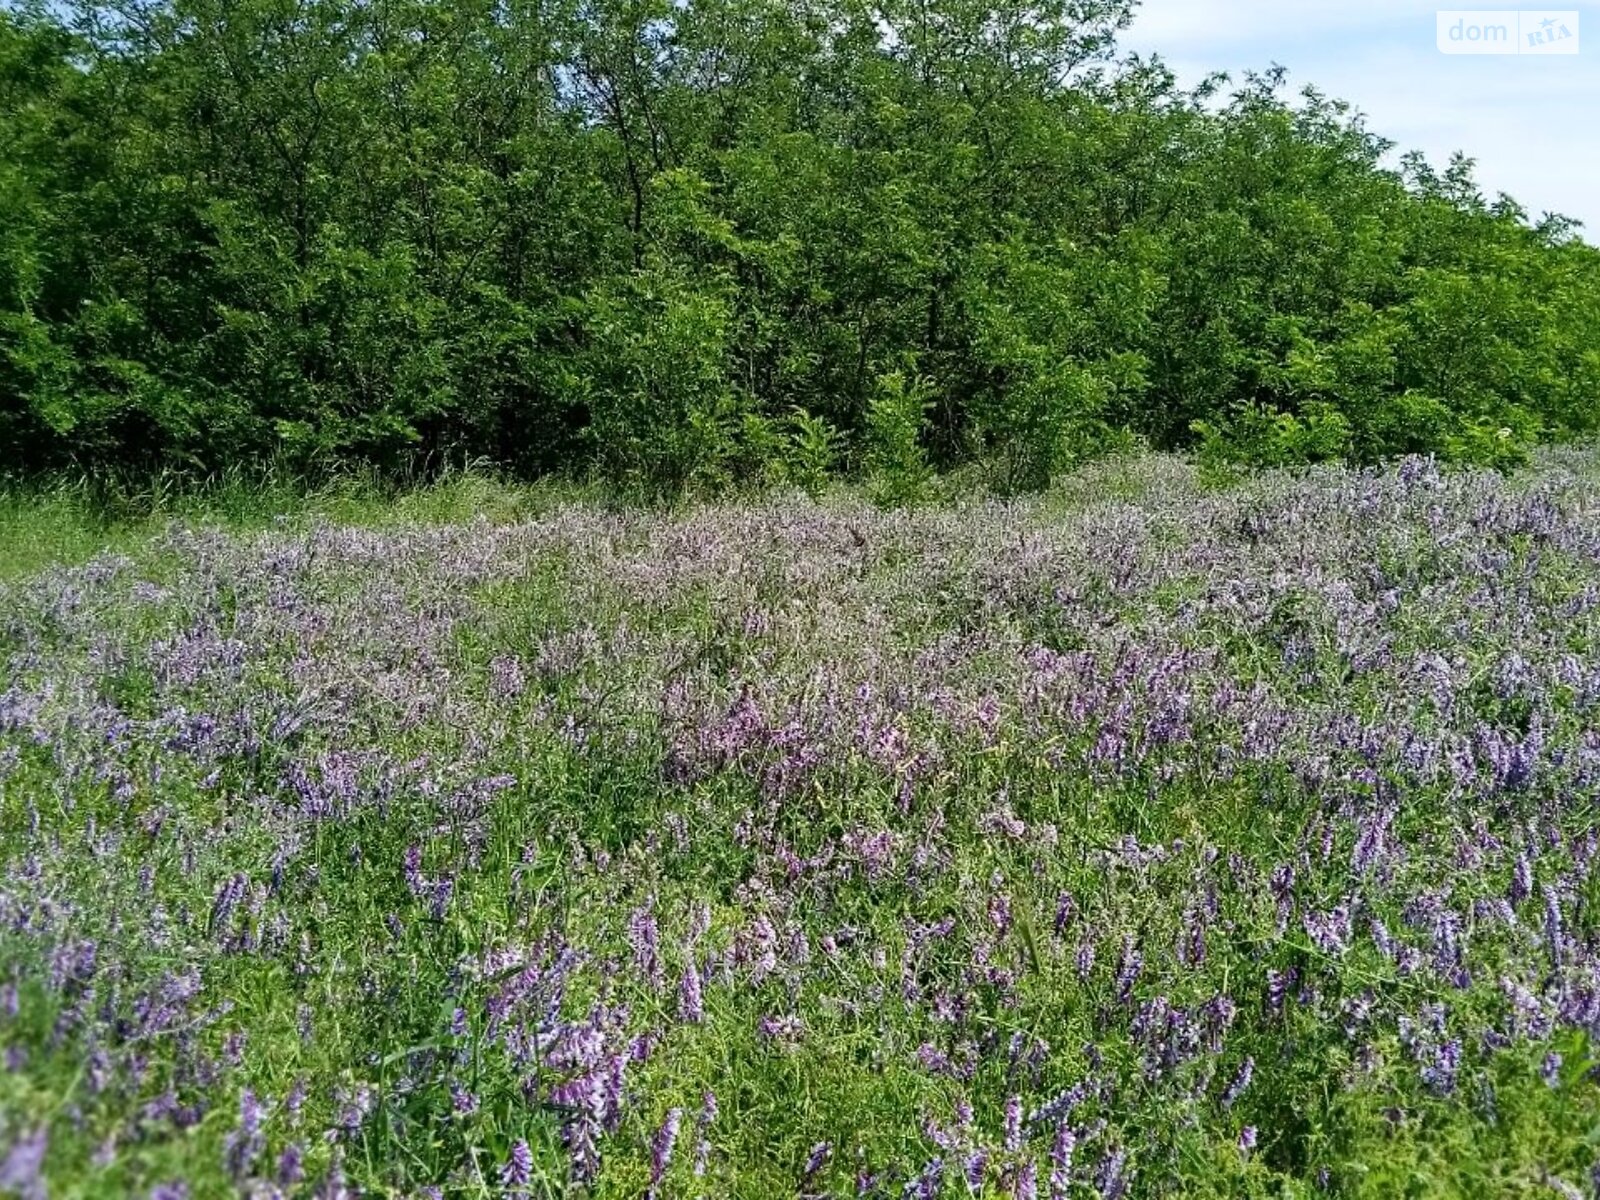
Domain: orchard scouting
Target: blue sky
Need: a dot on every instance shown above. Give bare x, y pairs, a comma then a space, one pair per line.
1532, 122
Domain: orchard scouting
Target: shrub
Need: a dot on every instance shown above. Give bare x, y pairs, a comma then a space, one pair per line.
898, 474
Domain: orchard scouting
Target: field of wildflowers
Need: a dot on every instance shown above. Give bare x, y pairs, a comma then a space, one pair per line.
1141, 840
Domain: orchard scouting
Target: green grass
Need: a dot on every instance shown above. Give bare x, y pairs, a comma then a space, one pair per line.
66, 521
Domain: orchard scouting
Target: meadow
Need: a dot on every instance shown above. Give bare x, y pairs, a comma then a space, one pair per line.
1142, 838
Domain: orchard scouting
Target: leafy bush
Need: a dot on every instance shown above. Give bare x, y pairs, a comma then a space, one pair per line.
650, 374
898, 473
813, 452
630, 239
1263, 437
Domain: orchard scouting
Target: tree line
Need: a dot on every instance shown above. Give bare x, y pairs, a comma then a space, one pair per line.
693, 243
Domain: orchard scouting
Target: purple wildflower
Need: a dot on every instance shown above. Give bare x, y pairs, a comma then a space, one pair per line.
355, 1106
1550, 1070
925, 1185
291, 1169
1061, 1155
228, 896
21, 1171
702, 1151
1521, 880
644, 938
517, 1170
1192, 939
661, 1148
691, 1004
245, 1143
815, 1161
463, 1101
1279, 985
1111, 1180
1440, 1073
1240, 1082
1554, 928
1027, 1185
1013, 1124
975, 1169
1129, 966
1066, 909
1000, 912
1059, 1107
1368, 847
785, 1028
1330, 930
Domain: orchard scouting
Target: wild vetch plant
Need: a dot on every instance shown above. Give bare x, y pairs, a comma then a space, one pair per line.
1185, 844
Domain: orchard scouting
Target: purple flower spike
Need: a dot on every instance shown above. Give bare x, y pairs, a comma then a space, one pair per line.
926, 1184
1551, 1070
1240, 1083
1061, 1155
661, 1149
21, 1171
1111, 1180
517, 1171
691, 1003
702, 1151
291, 1169
975, 1169
1013, 1125
815, 1161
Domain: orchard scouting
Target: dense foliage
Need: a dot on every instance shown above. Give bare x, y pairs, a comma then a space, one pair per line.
1205, 844
688, 243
